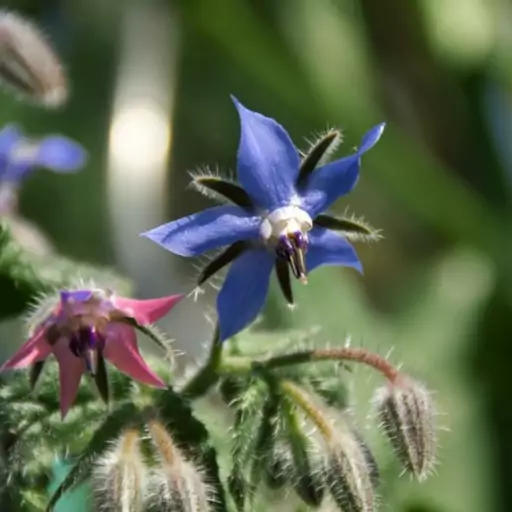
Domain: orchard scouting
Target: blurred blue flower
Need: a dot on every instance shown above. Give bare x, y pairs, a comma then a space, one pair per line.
272, 220
20, 156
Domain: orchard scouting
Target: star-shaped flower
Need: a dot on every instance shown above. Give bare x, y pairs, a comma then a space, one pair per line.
20, 156
86, 327
275, 219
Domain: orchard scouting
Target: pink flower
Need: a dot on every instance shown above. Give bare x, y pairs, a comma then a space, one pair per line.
89, 325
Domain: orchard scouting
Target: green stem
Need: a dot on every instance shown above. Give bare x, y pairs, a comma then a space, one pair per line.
302, 400
209, 374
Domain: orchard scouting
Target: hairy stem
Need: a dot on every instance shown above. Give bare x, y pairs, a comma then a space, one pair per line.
358, 355
208, 375
241, 365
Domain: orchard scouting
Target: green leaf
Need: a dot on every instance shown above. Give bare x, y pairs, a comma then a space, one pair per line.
193, 438
109, 430
265, 439
248, 408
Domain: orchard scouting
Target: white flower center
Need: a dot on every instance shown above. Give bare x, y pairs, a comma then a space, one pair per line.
285, 231
285, 221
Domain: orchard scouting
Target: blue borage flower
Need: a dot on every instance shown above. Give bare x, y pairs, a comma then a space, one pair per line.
275, 220
20, 156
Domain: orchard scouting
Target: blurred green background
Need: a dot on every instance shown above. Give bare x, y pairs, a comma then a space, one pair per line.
150, 101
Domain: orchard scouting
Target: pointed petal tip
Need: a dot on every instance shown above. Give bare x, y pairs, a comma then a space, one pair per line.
61, 154
33, 350
236, 101
371, 137
147, 311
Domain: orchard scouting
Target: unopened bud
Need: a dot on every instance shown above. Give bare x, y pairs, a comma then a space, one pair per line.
177, 485
350, 472
408, 417
119, 478
28, 63
306, 471
276, 467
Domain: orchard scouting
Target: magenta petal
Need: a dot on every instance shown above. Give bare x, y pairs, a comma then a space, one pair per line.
122, 351
146, 311
70, 373
35, 349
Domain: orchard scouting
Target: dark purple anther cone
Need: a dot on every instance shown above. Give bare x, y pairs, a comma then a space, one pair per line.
300, 240
284, 248
292, 248
85, 344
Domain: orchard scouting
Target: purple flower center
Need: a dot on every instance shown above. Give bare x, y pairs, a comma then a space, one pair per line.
85, 343
292, 248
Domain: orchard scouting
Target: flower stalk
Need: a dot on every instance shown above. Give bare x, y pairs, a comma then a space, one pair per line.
241, 365
300, 398
209, 373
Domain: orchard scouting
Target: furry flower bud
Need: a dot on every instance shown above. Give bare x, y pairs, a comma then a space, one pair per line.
351, 472
408, 417
119, 478
28, 63
177, 485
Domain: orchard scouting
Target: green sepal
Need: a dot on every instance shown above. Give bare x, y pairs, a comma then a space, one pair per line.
216, 186
101, 379
317, 154
152, 332
352, 228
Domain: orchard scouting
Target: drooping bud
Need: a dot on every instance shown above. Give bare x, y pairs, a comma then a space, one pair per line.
119, 478
408, 416
306, 468
350, 472
28, 64
307, 478
177, 485
276, 467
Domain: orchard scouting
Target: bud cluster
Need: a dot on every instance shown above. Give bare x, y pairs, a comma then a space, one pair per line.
119, 479
288, 433
125, 480
176, 484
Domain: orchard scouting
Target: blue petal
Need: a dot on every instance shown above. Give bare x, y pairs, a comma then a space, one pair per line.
244, 291
268, 163
9, 135
206, 230
338, 178
75, 296
328, 248
60, 154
